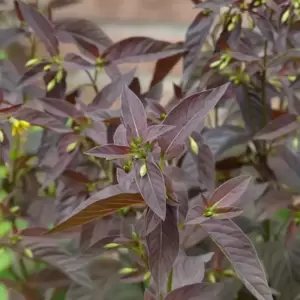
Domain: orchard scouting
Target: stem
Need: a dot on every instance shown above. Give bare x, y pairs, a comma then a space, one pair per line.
216, 116
264, 82
93, 82
267, 230
170, 281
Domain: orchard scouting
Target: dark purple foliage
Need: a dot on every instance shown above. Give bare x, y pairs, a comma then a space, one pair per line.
120, 194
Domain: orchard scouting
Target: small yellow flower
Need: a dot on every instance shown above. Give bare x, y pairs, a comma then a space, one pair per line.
18, 126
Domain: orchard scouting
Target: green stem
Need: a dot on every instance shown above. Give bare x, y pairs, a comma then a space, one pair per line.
170, 282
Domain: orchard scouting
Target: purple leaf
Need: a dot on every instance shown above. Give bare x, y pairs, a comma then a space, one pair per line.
148, 295
9, 36
32, 75
195, 215
229, 192
152, 187
163, 67
101, 204
43, 119
188, 270
135, 49
187, 115
133, 113
279, 127
41, 26
201, 163
110, 151
156, 131
78, 30
290, 158
106, 97
163, 246
196, 35
239, 250
196, 291
75, 61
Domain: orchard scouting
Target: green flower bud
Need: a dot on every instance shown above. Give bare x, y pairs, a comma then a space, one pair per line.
32, 62
194, 146
143, 170
51, 85
285, 16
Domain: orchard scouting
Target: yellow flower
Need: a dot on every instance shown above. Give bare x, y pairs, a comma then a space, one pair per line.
18, 126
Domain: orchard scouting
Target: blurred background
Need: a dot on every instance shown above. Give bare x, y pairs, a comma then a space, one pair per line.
160, 19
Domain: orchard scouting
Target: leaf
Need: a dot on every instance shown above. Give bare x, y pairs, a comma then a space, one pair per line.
32, 75
49, 250
79, 30
163, 67
41, 26
189, 270
187, 115
255, 112
229, 192
279, 127
104, 203
196, 291
133, 113
290, 158
74, 61
106, 97
239, 250
195, 37
43, 119
155, 131
148, 295
152, 187
201, 163
9, 36
222, 139
163, 246
110, 151
135, 49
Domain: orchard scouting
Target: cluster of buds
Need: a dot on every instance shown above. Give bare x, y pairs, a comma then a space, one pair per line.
55, 63
223, 62
234, 20
240, 76
294, 8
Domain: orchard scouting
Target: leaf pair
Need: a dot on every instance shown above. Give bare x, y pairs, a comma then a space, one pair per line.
220, 203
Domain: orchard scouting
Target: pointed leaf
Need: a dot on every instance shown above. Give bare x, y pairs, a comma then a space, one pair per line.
109, 151
135, 49
195, 37
290, 158
189, 269
279, 127
196, 291
43, 119
201, 163
163, 246
104, 203
133, 113
187, 115
163, 67
152, 187
239, 250
41, 26
78, 30
229, 192
106, 97
156, 131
